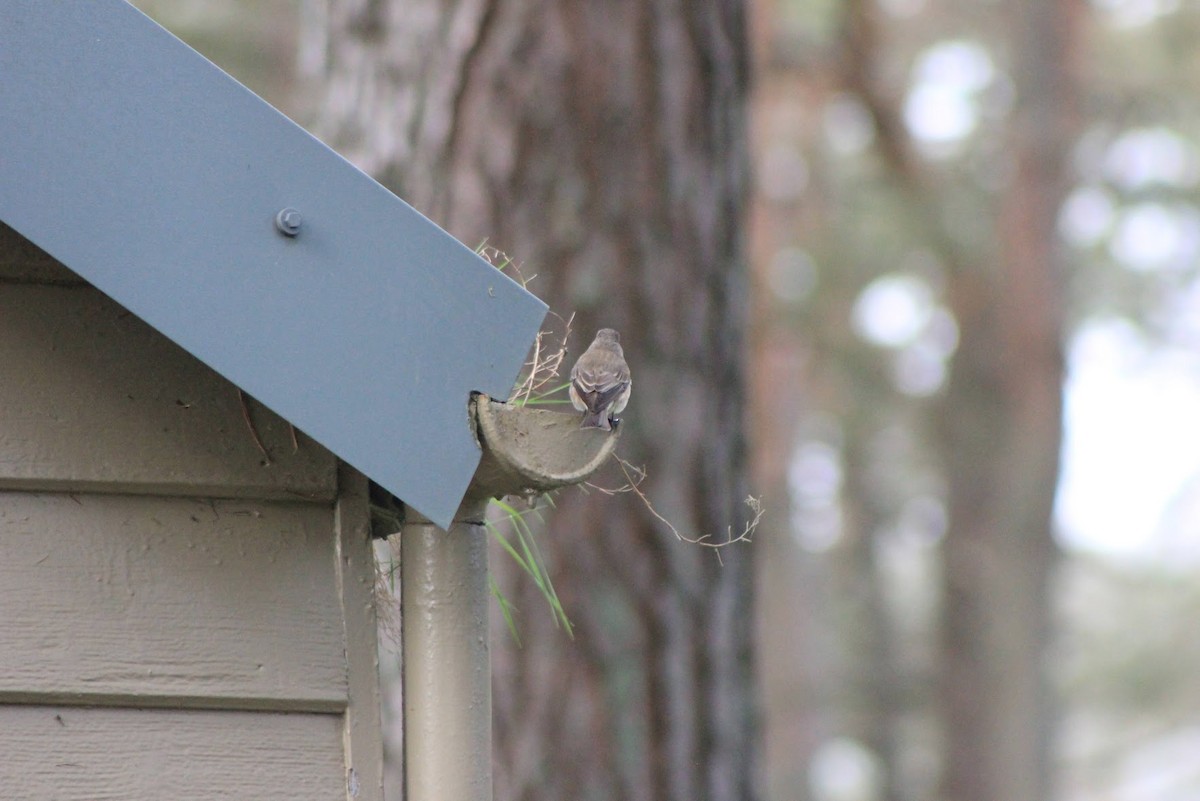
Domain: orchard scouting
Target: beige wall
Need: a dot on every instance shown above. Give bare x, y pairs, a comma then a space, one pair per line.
181, 615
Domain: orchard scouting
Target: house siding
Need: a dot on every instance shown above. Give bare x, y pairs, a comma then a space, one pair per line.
79, 754
185, 582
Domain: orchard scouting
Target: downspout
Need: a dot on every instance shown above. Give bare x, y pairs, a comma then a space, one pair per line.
447, 665
444, 597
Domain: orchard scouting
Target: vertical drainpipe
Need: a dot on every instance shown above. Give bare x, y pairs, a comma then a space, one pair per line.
445, 597
447, 665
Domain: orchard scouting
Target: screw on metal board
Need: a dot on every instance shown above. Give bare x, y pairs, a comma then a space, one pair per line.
288, 221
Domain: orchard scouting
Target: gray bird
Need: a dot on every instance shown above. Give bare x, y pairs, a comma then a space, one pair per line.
600, 382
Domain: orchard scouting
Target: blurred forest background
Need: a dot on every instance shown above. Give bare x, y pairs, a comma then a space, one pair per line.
962, 219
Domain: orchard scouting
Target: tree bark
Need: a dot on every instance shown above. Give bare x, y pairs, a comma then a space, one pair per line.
603, 145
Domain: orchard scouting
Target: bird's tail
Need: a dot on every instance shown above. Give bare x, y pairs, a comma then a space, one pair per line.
596, 420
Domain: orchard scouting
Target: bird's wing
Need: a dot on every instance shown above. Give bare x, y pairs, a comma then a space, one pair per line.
598, 394
608, 394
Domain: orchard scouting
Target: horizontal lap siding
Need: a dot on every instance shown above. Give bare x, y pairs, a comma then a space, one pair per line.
94, 399
186, 576
72, 754
110, 598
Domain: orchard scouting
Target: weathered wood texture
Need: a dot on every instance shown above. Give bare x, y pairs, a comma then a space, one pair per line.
108, 599
94, 399
71, 754
356, 585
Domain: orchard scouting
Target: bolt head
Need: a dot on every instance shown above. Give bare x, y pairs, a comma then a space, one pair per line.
288, 221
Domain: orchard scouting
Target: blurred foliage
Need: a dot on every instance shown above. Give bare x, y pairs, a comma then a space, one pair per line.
1130, 645
842, 236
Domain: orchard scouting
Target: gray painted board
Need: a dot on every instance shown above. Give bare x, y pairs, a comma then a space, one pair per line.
94, 399
70, 754
127, 600
155, 176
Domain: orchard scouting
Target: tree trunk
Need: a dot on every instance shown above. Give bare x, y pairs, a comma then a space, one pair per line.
999, 422
603, 145
1002, 427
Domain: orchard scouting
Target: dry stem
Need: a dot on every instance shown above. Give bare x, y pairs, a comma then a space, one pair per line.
250, 425
544, 365
634, 476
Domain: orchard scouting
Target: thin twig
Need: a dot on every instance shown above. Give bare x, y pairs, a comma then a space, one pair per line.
544, 365
634, 476
502, 261
250, 425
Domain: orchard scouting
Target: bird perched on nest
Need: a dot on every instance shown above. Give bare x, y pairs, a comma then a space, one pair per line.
600, 382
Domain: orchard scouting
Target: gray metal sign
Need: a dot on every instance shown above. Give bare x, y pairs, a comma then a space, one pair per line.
175, 190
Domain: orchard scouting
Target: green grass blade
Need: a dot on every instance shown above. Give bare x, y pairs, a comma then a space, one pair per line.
506, 609
532, 562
